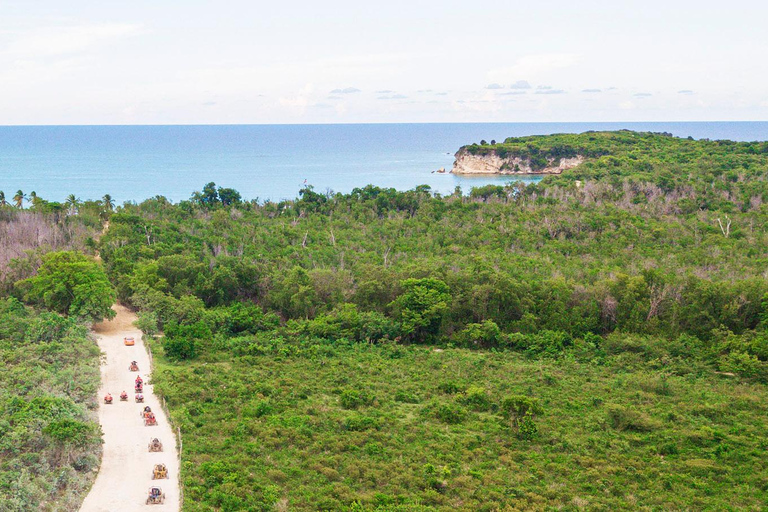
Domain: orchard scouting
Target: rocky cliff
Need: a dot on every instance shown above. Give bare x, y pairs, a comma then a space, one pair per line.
492, 163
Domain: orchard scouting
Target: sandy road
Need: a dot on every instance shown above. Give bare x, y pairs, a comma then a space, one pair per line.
125, 475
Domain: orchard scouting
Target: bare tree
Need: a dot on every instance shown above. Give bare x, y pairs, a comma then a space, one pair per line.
727, 228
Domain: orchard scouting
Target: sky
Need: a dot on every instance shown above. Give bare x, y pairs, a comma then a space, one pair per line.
252, 61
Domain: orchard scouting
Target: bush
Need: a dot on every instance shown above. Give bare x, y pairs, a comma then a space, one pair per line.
451, 388
546, 342
147, 322
181, 341
476, 399
623, 418
354, 398
485, 335
521, 411
72, 432
180, 348
360, 423
346, 322
407, 397
527, 429
452, 414
745, 365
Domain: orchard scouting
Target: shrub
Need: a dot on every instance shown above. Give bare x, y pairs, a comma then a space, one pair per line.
354, 398
521, 411
258, 408
348, 323
485, 335
451, 388
147, 322
181, 341
451, 413
548, 342
527, 429
745, 365
180, 348
407, 397
359, 423
623, 418
71, 432
476, 399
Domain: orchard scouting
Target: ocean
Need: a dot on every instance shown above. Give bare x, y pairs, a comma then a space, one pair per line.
271, 162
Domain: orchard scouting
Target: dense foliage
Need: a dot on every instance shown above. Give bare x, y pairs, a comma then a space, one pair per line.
615, 319
50, 443
597, 340
72, 284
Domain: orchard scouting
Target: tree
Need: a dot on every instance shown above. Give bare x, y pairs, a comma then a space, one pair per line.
72, 284
421, 308
18, 199
72, 203
3, 202
209, 196
108, 203
229, 196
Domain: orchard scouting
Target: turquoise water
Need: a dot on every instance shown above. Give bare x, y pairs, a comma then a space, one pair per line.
269, 161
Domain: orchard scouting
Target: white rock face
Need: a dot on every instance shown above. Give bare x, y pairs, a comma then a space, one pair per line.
491, 163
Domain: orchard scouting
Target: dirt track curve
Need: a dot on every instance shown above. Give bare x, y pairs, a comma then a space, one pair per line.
125, 474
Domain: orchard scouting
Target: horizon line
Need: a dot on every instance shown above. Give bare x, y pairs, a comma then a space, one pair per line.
74, 125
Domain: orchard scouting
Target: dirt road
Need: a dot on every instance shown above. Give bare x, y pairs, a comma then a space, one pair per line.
125, 475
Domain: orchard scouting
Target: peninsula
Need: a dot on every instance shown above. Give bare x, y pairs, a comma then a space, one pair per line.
551, 154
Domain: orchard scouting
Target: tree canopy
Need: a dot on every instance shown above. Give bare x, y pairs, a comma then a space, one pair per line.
72, 284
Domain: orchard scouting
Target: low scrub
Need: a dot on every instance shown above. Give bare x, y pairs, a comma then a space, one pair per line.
50, 443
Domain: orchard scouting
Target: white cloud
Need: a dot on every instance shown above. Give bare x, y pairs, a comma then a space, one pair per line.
520, 84
345, 90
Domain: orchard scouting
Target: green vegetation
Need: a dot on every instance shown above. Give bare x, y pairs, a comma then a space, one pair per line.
71, 284
329, 425
50, 442
595, 341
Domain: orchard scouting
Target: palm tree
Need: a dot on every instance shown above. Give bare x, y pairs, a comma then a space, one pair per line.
108, 202
18, 199
3, 202
33, 198
72, 203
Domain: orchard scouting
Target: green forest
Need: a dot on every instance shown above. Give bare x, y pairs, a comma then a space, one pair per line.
597, 340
